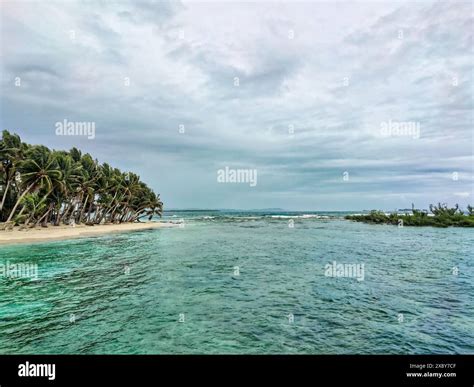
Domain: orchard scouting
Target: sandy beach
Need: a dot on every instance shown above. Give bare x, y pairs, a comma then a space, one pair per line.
53, 233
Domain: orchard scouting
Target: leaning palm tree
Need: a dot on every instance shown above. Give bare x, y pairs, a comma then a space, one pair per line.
70, 179
11, 149
34, 204
40, 186
40, 169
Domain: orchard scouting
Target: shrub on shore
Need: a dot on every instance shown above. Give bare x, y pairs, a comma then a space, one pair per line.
442, 216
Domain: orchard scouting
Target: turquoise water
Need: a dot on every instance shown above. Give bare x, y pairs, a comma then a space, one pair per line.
126, 293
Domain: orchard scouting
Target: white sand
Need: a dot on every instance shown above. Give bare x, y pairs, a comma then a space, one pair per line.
51, 233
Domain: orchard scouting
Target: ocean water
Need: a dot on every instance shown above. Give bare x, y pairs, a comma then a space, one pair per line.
232, 282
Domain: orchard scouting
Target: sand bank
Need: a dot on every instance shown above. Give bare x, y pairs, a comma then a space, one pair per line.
52, 233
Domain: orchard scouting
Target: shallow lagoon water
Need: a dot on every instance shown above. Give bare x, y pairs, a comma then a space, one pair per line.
176, 290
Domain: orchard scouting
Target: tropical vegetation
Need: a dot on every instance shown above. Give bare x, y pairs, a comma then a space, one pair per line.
441, 216
41, 187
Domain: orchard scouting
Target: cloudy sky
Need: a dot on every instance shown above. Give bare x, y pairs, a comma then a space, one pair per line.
301, 92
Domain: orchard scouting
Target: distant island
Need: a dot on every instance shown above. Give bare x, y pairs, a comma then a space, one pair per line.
439, 216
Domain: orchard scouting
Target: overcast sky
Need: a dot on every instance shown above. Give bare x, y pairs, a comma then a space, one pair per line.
317, 82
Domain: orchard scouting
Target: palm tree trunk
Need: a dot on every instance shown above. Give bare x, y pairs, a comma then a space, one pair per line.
89, 211
104, 214
98, 211
111, 207
83, 209
58, 215
29, 219
19, 200
70, 210
67, 206
117, 216
49, 218
5, 194
113, 212
51, 206
22, 210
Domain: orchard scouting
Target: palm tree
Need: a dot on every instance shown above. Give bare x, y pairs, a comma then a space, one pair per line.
40, 186
70, 182
11, 148
40, 169
34, 205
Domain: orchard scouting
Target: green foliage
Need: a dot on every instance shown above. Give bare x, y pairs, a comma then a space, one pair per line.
443, 216
48, 186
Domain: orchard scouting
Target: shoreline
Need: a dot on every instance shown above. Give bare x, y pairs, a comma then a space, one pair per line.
56, 233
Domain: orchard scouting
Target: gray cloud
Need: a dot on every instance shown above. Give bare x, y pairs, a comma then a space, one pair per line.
333, 79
